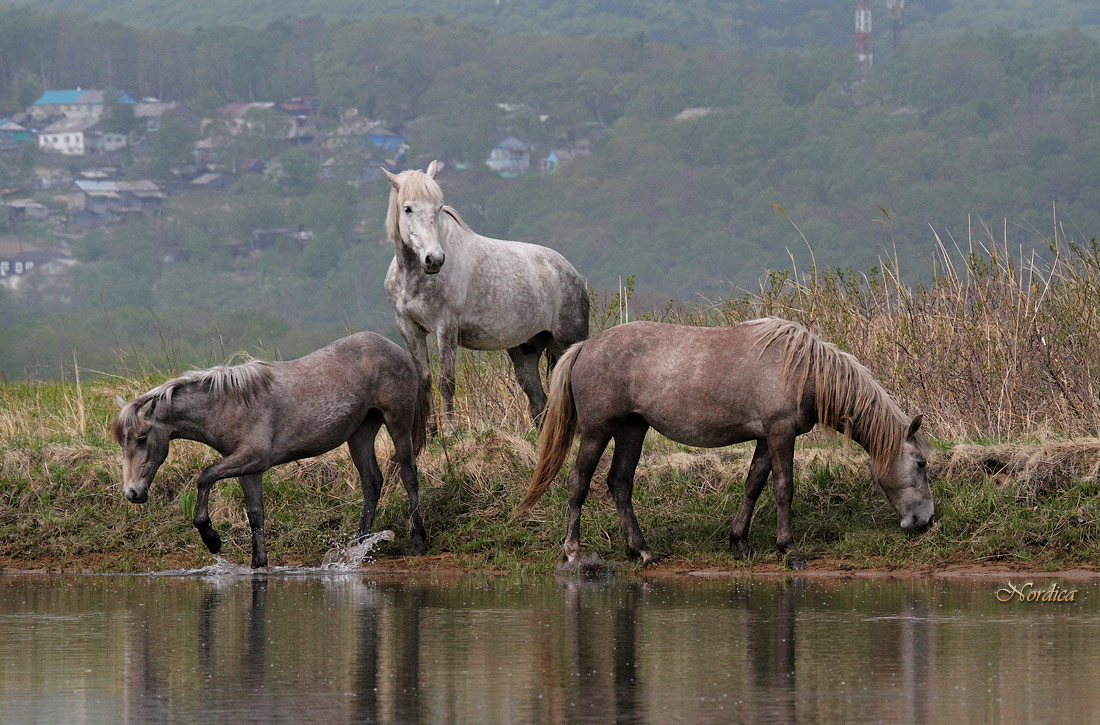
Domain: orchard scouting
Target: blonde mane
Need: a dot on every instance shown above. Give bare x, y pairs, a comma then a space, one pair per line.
414, 185
848, 399
242, 381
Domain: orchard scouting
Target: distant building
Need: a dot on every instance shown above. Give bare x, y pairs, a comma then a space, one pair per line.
115, 199
77, 103
19, 210
79, 136
212, 181
13, 134
509, 158
694, 112
386, 140
17, 266
151, 113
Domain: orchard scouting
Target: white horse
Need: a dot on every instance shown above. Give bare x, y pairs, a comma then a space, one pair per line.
477, 292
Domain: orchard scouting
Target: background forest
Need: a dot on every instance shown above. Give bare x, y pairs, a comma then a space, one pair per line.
970, 121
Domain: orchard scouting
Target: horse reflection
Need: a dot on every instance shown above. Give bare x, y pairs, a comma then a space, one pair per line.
254, 654
603, 689
771, 645
390, 632
915, 656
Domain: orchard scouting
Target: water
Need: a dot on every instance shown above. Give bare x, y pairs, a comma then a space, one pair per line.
299, 646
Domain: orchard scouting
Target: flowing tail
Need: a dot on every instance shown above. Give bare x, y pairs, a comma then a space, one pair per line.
559, 425
420, 413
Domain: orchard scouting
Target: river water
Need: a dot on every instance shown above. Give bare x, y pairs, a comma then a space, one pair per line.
216, 646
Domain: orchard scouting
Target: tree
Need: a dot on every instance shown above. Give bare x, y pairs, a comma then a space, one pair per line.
118, 117
173, 145
296, 171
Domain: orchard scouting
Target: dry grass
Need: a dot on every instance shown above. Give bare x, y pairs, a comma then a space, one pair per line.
997, 346
1001, 354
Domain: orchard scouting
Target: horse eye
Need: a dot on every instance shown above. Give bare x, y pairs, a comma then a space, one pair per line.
922, 464
141, 439
408, 210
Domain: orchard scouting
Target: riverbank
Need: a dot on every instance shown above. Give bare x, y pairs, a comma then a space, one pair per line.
1031, 506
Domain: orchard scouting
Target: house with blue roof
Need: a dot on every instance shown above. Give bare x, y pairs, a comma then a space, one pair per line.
77, 103
12, 134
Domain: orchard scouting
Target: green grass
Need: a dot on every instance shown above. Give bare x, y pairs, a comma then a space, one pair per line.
61, 504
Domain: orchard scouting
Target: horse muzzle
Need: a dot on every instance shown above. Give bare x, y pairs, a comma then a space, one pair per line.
136, 494
917, 518
434, 262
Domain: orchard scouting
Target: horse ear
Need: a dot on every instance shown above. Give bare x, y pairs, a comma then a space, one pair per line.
914, 426
149, 410
392, 177
157, 408
119, 402
433, 168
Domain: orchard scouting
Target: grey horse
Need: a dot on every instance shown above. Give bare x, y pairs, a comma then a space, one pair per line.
260, 414
477, 292
766, 380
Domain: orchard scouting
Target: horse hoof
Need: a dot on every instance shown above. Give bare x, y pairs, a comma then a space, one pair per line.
420, 548
740, 548
795, 562
645, 557
259, 563
213, 541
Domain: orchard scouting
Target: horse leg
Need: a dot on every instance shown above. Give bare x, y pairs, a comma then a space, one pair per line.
526, 364
401, 433
620, 482
252, 485
759, 469
361, 447
416, 340
447, 338
237, 464
782, 454
591, 448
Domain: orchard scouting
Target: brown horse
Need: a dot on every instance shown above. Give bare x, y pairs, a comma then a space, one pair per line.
767, 380
260, 414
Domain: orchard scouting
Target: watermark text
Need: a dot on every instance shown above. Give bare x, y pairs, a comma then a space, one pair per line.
1027, 592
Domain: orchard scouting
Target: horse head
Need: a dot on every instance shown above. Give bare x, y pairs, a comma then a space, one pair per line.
905, 482
413, 219
143, 431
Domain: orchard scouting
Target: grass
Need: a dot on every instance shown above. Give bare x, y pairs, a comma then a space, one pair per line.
61, 505
1001, 354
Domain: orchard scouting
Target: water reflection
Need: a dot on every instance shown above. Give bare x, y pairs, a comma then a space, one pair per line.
771, 643
352, 648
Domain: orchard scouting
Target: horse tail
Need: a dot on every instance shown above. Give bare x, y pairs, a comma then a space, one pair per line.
559, 425
420, 412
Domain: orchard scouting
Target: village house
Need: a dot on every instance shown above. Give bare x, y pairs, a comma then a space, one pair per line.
77, 103
15, 267
13, 134
20, 210
509, 158
114, 199
235, 119
151, 113
79, 136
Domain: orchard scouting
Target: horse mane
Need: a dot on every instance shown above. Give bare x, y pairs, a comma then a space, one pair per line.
412, 185
242, 382
848, 399
453, 213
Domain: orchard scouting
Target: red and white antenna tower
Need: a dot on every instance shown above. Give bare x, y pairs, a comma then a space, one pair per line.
864, 45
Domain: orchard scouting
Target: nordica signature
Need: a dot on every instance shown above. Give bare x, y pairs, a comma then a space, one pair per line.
1028, 593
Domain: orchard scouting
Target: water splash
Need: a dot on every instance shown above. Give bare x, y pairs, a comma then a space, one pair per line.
350, 557
590, 567
220, 568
